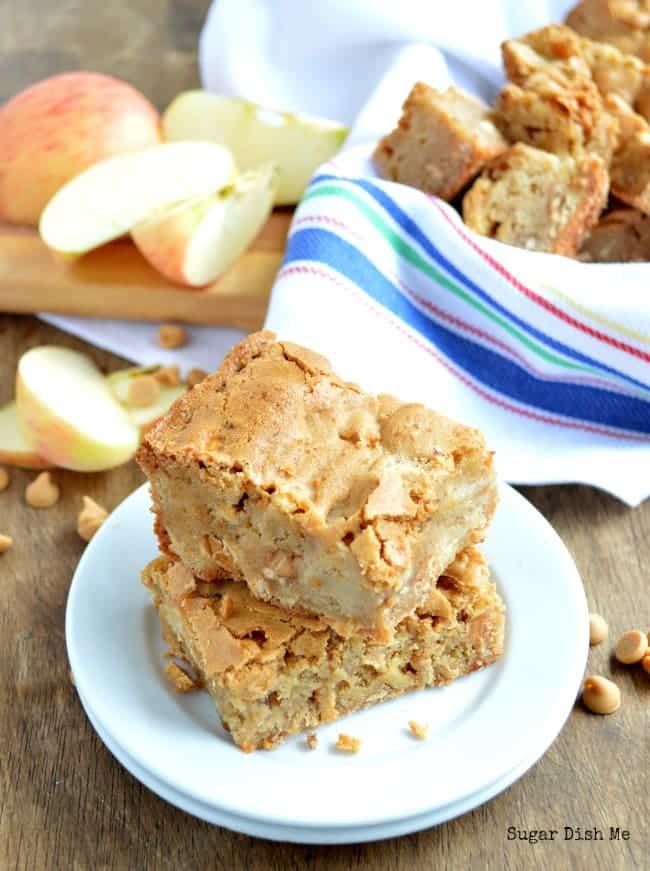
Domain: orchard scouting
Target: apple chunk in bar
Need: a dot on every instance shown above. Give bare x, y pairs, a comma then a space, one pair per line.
272, 673
319, 496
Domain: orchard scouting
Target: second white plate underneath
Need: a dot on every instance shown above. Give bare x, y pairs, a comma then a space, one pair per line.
482, 727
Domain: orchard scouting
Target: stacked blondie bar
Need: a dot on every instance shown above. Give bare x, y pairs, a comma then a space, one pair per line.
318, 543
561, 162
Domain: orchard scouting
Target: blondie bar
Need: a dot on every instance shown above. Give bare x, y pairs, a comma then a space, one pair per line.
622, 236
630, 172
318, 495
563, 55
566, 118
623, 23
537, 200
442, 141
272, 674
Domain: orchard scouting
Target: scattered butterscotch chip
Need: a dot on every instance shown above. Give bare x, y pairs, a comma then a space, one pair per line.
42, 492
311, 740
420, 730
90, 518
598, 630
4, 479
171, 336
6, 541
179, 679
601, 696
143, 391
631, 647
645, 662
348, 744
226, 606
169, 376
195, 376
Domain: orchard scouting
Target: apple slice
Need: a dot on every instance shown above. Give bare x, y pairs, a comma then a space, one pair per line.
297, 143
195, 242
119, 383
68, 414
14, 450
107, 199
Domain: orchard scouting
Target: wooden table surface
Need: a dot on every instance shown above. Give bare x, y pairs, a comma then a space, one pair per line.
65, 803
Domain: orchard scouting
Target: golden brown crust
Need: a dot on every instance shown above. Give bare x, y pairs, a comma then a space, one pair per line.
565, 118
622, 236
318, 495
441, 142
563, 55
273, 673
537, 200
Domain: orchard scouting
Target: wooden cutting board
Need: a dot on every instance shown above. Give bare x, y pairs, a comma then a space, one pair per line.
115, 281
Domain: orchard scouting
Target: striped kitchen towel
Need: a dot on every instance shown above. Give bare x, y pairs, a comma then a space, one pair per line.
549, 357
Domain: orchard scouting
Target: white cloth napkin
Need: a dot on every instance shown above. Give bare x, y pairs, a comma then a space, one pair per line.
357, 61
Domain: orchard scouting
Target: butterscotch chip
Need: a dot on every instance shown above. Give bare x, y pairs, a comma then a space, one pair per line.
274, 470
227, 606
311, 740
441, 142
6, 541
600, 696
629, 122
537, 200
645, 663
598, 630
144, 390
195, 376
169, 376
419, 730
348, 744
179, 679
42, 492
171, 336
273, 673
90, 518
4, 479
631, 647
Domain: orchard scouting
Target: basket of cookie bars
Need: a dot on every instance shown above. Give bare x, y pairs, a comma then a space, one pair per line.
559, 164
499, 247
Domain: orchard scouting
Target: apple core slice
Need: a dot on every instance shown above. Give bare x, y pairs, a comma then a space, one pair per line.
108, 199
297, 143
119, 383
195, 242
14, 450
67, 413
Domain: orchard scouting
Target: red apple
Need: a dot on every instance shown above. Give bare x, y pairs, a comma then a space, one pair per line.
58, 127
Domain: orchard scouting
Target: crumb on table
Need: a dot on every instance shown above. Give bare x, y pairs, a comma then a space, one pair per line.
419, 730
348, 744
311, 740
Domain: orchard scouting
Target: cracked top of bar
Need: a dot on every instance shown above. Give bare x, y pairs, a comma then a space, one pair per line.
319, 496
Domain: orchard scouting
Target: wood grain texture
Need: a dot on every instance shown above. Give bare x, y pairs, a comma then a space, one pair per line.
115, 281
64, 801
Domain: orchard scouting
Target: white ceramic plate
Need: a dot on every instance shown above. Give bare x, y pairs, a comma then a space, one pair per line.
483, 727
305, 834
